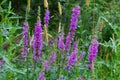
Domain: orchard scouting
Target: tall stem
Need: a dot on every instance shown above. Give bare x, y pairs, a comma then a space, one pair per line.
93, 34
92, 70
27, 66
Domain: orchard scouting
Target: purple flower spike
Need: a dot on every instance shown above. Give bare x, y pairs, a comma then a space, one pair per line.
47, 18
25, 38
93, 50
46, 65
71, 61
81, 55
41, 76
38, 43
61, 44
53, 57
75, 48
74, 18
73, 57
68, 42
73, 27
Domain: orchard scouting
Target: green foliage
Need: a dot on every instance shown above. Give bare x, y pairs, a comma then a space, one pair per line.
12, 15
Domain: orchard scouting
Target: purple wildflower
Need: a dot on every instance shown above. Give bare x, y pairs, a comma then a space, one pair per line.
73, 27
46, 65
90, 66
47, 17
75, 48
25, 38
81, 55
41, 76
61, 44
81, 78
74, 18
73, 57
68, 42
93, 50
72, 33
71, 60
37, 44
53, 57
61, 78
1, 62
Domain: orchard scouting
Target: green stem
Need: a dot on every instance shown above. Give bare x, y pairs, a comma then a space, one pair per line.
92, 70
27, 66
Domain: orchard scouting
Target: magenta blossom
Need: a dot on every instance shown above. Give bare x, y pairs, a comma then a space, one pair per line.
61, 44
53, 57
38, 43
47, 17
41, 76
73, 57
73, 27
93, 50
46, 65
74, 18
68, 42
25, 38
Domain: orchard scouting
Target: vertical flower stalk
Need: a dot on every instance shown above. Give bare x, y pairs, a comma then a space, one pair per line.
73, 57
81, 55
38, 42
74, 21
53, 57
46, 65
46, 21
93, 50
47, 17
68, 42
74, 18
61, 44
41, 76
25, 38
73, 27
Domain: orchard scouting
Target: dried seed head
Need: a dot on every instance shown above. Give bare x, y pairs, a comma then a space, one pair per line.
101, 25
87, 2
28, 5
59, 8
45, 4
113, 36
38, 13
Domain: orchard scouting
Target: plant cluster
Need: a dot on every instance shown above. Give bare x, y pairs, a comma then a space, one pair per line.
76, 52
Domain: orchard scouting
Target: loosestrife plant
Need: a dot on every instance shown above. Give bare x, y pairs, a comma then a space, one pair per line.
38, 43
25, 38
59, 57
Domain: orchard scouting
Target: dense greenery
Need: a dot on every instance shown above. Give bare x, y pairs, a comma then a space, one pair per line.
98, 17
